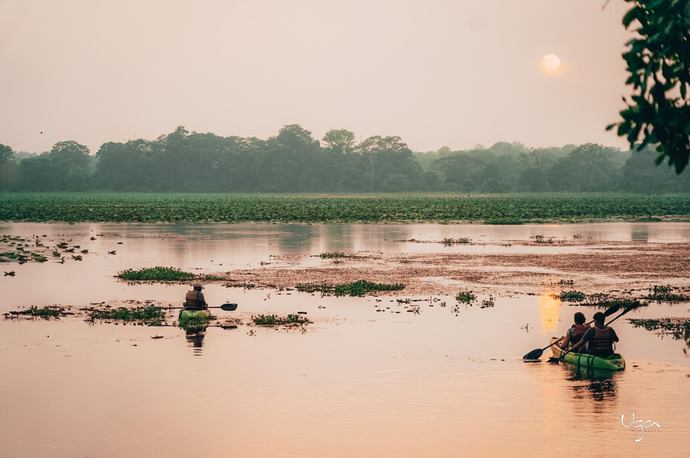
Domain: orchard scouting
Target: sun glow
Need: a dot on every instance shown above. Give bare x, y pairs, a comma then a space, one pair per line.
550, 64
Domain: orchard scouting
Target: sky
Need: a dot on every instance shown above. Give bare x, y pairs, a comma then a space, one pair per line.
454, 73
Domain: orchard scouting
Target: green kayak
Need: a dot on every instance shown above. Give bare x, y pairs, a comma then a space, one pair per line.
189, 318
614, 362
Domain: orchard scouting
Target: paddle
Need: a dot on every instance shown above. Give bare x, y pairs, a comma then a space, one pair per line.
627, 309
226, 307
536, 353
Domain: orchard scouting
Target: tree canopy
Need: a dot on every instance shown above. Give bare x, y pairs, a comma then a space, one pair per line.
658, 64
294, 161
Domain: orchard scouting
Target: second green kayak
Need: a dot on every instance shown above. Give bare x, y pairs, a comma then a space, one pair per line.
193, 317
614, 362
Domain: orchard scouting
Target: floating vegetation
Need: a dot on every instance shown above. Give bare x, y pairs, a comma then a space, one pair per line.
603, 300
210, 277
10, 256
665, 293
334, 255
51, 311
38, 257
357, 288
157, 273
679, 328
492, 209
490, 302
458, 241
566, 282
465, 297
570, 296
244, 285
275, 320
539, 238
16, 249
147, 314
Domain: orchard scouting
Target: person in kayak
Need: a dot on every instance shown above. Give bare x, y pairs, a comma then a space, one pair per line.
194, 299
600, 338
576, 331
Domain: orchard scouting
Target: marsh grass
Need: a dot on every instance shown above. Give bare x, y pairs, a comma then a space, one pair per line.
605, 301
157, 273
276, 320
465, 297
665, 293
148, 314
357, 288
447, 241
571, 296
40, 312
334, 255
679, 328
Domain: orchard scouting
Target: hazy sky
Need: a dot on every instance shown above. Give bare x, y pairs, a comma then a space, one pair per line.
436, 72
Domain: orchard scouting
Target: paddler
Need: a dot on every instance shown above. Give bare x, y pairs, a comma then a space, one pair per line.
576, 331
194, 299
600, 338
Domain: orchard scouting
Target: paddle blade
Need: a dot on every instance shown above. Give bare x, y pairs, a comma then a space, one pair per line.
229, 307
534, 354
553, 360
611, 310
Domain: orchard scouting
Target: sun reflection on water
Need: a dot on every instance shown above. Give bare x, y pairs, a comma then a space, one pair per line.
549, 311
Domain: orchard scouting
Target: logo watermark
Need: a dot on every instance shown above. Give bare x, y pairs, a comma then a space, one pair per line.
641, 425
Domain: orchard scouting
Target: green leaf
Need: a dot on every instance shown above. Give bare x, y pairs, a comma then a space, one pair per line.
630, 16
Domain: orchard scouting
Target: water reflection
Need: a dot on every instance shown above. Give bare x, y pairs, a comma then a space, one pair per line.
639, 233
549, 311
295, 238
195, 339
597, 385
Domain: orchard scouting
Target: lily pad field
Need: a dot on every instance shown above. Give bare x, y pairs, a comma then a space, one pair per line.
486, 208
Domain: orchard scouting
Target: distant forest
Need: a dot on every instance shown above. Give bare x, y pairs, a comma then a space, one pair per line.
294, 161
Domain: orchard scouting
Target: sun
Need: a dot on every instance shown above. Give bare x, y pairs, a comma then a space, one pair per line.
550, 63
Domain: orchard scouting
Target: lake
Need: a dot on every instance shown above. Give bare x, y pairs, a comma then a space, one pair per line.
396, 374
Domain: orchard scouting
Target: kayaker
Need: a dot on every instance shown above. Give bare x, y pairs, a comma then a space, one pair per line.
576, 331
194, 299
600, 338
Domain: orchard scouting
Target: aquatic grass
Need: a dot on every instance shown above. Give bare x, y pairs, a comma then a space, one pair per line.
571, 296
679, 328
157, 273
465, 297
447, 241
333, 255
514, 208
486, 303
51, 311
603, 300
138, 314
357, 288
665, 293
38, 257
276, 320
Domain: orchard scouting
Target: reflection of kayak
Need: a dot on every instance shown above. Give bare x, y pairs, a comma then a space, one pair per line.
193, 317
614, 362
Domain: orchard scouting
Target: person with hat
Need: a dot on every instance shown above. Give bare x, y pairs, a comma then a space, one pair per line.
194, 299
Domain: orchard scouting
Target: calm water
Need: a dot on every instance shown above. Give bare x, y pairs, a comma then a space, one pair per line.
357, 383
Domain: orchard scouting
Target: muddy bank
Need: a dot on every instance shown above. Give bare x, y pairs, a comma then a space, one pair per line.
593, 269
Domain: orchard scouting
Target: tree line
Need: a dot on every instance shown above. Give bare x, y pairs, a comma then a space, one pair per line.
294, 161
